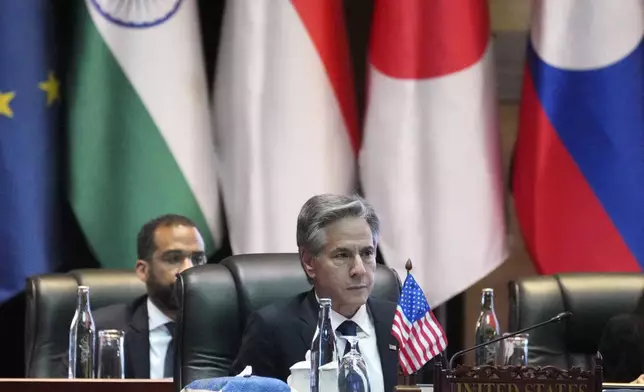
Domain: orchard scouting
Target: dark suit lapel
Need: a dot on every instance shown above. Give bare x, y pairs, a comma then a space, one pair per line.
308, 314
137, 342
383, 317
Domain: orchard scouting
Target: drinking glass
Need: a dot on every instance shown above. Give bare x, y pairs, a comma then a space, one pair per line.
513, 351
352, 373
111, 354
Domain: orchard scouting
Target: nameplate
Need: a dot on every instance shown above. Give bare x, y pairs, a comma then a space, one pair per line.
517, 379
548, 386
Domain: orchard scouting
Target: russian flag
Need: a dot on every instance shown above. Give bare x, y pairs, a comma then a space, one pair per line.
578, 176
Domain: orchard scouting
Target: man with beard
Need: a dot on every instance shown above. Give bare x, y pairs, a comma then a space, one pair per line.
166, 246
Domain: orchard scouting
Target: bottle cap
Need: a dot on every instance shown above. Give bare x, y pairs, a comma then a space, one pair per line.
488, 291
83, 288
325, 301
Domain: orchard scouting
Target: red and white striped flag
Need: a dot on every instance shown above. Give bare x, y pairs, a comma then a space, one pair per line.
430, 162
420, 336
286, 126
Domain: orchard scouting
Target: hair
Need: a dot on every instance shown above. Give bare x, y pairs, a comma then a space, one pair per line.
323, 210
145, 244
622, 348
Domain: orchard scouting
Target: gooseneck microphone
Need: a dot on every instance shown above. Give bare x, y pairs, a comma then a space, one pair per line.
561, 316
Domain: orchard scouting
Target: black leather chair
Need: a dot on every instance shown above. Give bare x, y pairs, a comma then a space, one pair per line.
282, 277
109, 287
593, 298
209, 324
50, 306
210, 331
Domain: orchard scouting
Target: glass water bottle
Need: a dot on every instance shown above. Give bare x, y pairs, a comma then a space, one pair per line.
82, 338
323, 347
487, 328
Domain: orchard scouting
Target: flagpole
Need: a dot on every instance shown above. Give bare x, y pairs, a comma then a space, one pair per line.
408, 267
405, 381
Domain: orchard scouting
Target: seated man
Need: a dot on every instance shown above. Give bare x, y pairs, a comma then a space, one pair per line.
166, 246
622, 349
337, 238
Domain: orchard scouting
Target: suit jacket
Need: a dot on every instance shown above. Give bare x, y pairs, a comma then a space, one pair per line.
279, 335
133, 319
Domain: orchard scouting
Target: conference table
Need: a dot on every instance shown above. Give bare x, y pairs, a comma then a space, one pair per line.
79, 385
95, 385
140, 385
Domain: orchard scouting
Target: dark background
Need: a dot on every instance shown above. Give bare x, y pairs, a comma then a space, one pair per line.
74, 250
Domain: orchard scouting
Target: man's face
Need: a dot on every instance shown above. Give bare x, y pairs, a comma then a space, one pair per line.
345, 270
177, 249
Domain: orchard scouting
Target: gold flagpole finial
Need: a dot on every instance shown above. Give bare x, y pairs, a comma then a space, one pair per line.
408, 266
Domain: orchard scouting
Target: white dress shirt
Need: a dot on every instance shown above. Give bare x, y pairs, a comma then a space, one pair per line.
367, 344
159, 339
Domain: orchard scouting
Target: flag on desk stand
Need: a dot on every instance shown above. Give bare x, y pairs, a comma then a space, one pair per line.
420, 336
29, 103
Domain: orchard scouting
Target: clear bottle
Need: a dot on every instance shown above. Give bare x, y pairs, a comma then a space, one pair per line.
487, 328
323, 349
82, 338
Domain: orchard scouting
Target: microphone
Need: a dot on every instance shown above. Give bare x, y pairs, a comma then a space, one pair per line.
561, 316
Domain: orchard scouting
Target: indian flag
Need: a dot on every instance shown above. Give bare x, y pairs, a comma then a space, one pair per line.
140, 140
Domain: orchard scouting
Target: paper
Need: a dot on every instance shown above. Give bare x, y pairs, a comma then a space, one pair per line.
247, 372
300, 373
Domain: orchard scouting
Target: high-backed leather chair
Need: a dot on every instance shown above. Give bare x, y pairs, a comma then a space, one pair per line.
210, 338
50, 305
266, 278
109, 286
593, 298
208, 325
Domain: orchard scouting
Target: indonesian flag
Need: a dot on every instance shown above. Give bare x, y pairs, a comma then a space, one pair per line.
430, 162
286, 124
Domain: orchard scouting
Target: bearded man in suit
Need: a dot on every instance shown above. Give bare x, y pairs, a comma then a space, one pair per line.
166, 246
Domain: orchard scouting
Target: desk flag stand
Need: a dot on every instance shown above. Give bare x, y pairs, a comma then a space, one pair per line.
406, 383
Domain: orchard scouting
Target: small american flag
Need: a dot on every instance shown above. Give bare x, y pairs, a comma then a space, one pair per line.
419, 334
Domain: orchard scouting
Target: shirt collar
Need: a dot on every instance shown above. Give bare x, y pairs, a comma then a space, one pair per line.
361, 318
156, 318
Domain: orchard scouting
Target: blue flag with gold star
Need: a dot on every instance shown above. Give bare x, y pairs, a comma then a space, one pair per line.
29, 102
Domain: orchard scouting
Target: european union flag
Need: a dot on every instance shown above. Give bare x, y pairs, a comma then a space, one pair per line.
29, 101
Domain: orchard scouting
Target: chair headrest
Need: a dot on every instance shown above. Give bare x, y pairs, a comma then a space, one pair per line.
263, 279
256, 276
109, 286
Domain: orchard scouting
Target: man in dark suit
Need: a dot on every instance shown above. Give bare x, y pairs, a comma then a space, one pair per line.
622, 349
337, 237
166, 246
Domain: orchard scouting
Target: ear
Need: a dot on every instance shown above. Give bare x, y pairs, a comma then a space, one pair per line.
142, 270
307, 263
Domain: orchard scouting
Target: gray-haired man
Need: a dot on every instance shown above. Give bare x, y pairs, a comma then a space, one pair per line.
337, 237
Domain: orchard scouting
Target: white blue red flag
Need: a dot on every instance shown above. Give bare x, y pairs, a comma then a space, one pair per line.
578, 176
420, 336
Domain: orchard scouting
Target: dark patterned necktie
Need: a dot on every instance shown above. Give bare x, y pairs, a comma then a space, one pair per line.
348, 328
